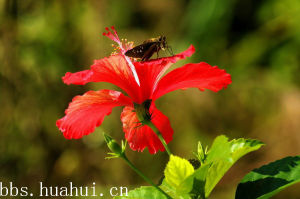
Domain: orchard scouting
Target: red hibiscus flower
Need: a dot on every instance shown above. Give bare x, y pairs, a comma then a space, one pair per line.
143, 82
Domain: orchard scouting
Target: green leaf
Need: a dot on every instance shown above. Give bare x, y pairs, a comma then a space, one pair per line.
222, 155
171, 191
199, 177
266, 181
176, 173
143, 193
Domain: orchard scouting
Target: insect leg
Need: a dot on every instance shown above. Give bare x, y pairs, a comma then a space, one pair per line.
170, 50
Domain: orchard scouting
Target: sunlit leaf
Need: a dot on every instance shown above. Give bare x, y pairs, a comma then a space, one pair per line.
171, 191
222, 155
176, 173
143, 193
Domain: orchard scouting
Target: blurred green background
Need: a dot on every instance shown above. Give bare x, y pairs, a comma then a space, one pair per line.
257, 42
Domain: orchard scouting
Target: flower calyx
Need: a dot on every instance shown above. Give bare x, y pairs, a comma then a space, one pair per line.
142, 111
117, 150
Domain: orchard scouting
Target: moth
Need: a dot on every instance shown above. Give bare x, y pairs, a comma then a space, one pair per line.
145, 50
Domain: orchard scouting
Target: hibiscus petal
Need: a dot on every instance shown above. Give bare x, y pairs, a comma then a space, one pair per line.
139, 137
88, 111
151, 71
200, 75
172, 59
79, 78
113, 69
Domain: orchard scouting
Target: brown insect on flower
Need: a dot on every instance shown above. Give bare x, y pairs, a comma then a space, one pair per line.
148, 48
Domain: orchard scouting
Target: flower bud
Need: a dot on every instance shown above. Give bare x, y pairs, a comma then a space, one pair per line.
113, 145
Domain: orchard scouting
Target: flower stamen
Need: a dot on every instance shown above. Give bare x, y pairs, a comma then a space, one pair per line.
113, 35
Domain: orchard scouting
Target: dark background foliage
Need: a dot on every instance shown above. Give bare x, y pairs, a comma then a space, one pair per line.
257, 42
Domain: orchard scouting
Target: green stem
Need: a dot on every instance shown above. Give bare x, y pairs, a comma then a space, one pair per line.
143, 176
157, 132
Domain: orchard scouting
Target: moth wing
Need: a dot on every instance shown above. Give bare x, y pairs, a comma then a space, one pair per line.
149, 52
139, 51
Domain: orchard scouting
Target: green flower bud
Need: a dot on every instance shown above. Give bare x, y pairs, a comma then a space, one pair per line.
113, 145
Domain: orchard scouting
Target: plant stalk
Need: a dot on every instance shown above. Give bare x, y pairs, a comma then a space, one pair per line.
144, 177
157, 132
